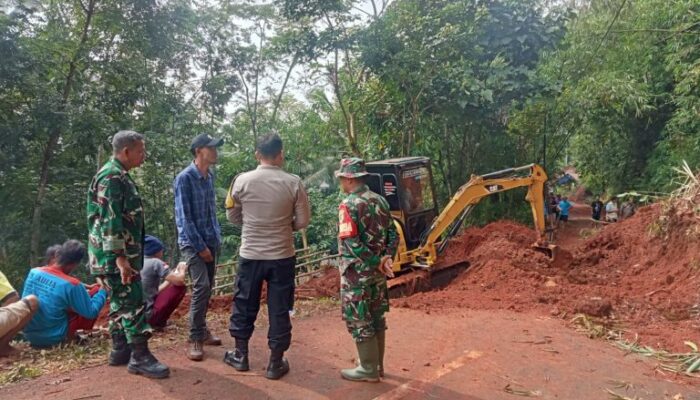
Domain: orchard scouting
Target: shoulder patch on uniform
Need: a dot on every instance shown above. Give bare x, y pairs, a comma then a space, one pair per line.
230, 202
346, 226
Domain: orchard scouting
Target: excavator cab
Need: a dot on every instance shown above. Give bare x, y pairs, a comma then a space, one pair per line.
407, 185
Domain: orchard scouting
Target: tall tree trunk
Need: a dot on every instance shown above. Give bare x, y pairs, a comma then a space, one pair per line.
347, 116
54, 136
284, 86
446, 171
258, 69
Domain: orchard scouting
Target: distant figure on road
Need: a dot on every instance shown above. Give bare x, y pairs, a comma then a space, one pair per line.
627, 209
611, 210
596, 209
553, 210
564, 206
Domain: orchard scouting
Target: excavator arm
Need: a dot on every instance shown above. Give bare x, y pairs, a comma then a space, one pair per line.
472, 192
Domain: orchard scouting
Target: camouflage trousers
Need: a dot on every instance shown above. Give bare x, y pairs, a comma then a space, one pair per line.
127, 310
364, 300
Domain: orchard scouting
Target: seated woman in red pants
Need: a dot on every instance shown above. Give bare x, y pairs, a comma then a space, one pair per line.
163, 287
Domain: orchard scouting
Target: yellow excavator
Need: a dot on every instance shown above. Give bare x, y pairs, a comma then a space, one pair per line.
407, 185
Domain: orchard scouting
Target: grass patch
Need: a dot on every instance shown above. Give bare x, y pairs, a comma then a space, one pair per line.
17, 373
687, 364
33, 363
681, 211
594, 329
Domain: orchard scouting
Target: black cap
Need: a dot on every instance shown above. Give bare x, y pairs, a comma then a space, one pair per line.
205, 140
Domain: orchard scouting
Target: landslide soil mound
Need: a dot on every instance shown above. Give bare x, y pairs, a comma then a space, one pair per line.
633, 275
327, 284
628, 274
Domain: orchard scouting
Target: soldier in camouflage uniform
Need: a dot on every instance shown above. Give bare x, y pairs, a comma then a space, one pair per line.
116, 234
367, 240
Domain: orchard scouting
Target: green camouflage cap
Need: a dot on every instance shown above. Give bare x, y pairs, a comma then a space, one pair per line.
352, 167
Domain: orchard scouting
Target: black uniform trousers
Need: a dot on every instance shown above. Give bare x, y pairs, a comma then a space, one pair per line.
279, 275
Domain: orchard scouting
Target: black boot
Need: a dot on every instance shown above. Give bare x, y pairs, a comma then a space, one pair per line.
238, 357
121, 351
142, 362
278, 366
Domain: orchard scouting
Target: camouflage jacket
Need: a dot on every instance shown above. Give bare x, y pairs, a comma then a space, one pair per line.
366, 231
115, 220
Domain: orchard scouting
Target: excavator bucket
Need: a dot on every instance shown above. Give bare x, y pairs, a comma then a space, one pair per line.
420, 278
550, 250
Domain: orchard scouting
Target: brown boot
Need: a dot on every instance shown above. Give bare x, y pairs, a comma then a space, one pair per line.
212, 340
196, 351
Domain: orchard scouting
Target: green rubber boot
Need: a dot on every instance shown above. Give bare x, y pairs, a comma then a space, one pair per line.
381, 341
368, 352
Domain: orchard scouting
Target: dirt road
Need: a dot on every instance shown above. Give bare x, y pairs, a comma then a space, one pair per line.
487, 336
456, 355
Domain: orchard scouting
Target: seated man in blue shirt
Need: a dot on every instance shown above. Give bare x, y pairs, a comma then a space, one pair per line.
63, 299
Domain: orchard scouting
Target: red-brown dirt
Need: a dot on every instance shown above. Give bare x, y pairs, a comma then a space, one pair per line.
220, 303
327, 284
458, 354
635, 281
483, 351
623, 274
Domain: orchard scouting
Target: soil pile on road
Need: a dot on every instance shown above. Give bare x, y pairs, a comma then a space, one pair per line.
640, 275
327, 284
217, 304
626, 274
504, 272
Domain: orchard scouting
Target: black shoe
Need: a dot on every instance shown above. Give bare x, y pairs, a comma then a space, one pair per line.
277, 368
121, 350
237, 360
142, 362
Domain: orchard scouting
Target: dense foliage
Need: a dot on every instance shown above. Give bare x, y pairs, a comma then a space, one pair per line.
610, 86
623, 103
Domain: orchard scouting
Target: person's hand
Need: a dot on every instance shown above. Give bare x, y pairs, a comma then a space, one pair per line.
127, 273
101, 283
206, 255
385, 266
181, 268
90, 287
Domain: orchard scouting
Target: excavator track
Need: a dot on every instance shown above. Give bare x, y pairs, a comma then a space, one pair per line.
422, 278
418, 279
